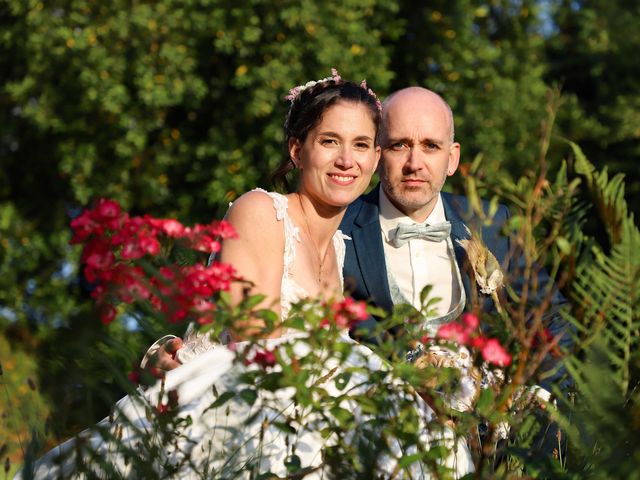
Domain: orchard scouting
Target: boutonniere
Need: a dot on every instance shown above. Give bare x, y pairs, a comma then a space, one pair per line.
485, 266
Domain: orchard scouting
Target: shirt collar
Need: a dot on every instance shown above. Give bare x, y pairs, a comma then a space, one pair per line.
391, 217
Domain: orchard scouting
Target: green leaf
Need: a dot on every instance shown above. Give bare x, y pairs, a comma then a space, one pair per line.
563, 245
249, 395
341, 380
486, 402
293, 463
406, 460
252, 301
284, 427
222, 399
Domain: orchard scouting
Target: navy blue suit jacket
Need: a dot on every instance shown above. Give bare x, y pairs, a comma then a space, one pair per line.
365, 271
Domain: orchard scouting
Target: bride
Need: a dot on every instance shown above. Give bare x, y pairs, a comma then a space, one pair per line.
289, 248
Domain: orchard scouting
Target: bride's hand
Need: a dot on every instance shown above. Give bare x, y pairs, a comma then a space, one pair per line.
162, 355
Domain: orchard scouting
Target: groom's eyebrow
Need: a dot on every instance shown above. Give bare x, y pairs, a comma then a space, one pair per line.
391, 140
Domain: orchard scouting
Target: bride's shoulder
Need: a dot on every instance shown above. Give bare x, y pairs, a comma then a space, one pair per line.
255, 210
257, 201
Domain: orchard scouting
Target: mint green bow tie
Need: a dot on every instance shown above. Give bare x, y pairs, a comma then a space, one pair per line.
432, 233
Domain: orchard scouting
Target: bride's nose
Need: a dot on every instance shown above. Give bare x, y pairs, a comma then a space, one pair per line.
345, 158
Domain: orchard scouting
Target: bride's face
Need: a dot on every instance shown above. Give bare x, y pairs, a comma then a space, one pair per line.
339, 155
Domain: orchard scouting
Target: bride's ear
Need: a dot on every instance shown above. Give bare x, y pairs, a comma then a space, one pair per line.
294, 151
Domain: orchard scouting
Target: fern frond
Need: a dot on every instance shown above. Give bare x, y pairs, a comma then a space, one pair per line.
608, 194
607, 286
603, 428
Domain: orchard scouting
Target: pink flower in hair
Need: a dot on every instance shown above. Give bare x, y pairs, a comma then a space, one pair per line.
293, 93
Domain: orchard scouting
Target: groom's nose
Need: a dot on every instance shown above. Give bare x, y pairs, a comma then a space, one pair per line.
414, 160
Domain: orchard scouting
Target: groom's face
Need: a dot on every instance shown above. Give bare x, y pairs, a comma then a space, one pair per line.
417, 151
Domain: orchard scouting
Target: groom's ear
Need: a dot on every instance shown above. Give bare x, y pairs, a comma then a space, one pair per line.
294, 151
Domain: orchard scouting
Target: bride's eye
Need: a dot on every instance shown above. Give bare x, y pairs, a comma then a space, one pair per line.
328, 141
362, 145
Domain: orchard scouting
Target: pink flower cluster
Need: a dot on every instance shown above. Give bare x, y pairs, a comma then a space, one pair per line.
114, 241
346, 314
465, 332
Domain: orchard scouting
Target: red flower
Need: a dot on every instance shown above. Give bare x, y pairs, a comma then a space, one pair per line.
107, 212
222, 229
206, 309
98, 258
99, 293
149, 245
131, 249
172, 227
113, 243
347, 313
206, 244
455, 332
83, 226
134, 377
470, 320
264, 358
464, 334
460, 332
495, 353
478, 342
197, 281
221, 275
107, 313
128, 283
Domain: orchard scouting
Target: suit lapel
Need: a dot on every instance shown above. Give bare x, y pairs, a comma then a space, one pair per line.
459, 231
367, 242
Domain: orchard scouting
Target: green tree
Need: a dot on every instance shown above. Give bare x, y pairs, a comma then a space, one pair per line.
487, 60
591, 55
21, 404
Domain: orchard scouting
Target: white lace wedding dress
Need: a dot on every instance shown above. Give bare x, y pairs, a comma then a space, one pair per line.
236, 440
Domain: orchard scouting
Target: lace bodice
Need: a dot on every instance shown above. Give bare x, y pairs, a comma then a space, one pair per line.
291, 292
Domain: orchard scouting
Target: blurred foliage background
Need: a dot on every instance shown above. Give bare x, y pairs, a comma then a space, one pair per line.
174, 108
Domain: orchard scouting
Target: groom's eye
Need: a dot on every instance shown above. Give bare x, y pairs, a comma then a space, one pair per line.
398, 146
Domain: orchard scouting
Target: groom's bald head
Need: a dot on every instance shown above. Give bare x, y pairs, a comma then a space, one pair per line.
423, 100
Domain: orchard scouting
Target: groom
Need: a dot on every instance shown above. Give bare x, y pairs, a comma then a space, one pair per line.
391, 256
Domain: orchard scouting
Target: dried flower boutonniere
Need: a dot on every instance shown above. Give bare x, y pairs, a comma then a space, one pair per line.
485, 268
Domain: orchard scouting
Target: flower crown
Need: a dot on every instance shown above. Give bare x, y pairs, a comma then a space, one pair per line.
335, 76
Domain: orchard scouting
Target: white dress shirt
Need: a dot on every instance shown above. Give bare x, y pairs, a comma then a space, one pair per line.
419, 262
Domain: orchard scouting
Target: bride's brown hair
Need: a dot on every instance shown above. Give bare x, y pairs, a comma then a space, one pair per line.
306, 111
